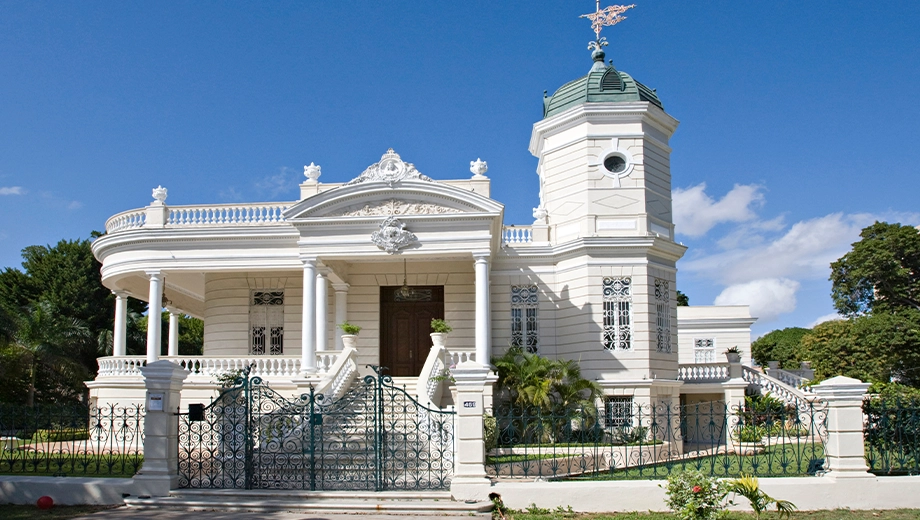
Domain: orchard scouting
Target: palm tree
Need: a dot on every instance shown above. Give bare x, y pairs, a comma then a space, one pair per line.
44, 335
551, 394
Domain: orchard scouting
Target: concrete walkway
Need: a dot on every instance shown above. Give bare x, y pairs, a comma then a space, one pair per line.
124, 513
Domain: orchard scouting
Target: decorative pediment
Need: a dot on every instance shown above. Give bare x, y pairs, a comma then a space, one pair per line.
390, 170
392, 207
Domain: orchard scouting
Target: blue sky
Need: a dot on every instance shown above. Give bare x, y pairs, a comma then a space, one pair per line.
798, 119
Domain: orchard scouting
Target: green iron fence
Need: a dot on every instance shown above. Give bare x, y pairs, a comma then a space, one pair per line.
376, 437
626, 440
71, 440
892, 436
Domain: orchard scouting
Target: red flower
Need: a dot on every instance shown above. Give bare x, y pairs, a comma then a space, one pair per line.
697, 489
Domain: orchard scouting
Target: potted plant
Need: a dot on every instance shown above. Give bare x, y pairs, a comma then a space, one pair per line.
733, 355
350, 336
439, 331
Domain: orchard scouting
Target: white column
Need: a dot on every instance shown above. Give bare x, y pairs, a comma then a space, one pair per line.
173, 349
119, 331
483, 341
322, 299
341, 311
154, 308
308, 325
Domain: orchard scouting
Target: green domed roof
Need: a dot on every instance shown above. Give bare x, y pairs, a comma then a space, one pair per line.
602, 84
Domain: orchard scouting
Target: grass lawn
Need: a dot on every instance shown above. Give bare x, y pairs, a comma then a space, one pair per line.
787, 460
53, 464
10, 512
839, 514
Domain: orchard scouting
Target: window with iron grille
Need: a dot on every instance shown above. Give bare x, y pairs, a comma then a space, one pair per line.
617, 333
266, 323
663, 310
524, 304
704, 350
618, 412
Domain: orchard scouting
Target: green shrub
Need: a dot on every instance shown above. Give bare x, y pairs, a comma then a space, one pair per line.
440, 326
350, 329
64, 434
695, 496
490, 431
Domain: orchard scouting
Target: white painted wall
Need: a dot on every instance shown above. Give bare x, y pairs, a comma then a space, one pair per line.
729, 325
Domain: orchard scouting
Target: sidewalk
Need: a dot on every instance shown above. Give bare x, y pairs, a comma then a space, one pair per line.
124, 513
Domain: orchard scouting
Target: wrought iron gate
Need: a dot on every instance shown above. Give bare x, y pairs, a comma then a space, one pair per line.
376, 437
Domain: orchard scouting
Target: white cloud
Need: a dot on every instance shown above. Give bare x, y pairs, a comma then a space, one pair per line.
768, 297
695, 212
804, 251
826, 317
75, 204
12, 190
282, 182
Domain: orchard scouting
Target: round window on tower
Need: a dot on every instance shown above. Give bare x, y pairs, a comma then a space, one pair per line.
615, 163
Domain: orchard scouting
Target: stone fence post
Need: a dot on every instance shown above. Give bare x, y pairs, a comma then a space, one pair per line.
845, 450
160, 471
470, 482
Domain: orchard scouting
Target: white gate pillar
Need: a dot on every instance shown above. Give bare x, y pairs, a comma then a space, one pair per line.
322, 303
341, 312
470, 481
154, 308
844, 450
120, 329
482, 335
308, 323
160, 471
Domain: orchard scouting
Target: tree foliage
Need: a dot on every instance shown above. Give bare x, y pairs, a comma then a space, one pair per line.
682, 299
66, 278
876, 347
783, 345
881, 272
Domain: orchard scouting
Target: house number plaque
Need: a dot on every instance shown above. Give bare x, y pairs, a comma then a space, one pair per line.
469, 404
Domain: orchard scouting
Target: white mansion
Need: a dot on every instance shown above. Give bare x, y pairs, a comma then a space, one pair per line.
592, 279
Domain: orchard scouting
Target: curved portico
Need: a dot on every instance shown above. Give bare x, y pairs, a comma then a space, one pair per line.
324, 259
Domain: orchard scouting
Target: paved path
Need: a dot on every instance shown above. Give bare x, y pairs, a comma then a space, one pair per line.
124, 513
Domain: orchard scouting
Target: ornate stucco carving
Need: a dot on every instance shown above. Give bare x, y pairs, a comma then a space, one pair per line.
390, 169
159, 195
392, 235
392, 207
312, 172
479, 168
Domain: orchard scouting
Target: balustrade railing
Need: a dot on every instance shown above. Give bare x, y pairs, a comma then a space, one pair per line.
517, 234
125, 220
277, 366
708, 372
210, 215
775, 387
789, 378
455, 357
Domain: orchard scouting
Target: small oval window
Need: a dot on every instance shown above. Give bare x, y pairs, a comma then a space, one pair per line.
615, 164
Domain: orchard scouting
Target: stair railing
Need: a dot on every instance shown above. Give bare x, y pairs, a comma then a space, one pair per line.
341, 374
771, 385
431, 381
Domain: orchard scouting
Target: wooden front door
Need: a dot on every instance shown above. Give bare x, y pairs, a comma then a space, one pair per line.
405, 327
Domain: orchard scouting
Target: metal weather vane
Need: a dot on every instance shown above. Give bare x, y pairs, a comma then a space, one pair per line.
606, 17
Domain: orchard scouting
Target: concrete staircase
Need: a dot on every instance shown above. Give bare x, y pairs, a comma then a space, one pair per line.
329, 502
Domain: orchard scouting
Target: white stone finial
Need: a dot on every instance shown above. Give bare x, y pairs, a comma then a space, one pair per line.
479, 168
312, 172
540, 215
159, 195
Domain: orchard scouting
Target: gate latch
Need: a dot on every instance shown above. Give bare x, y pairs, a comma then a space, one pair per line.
316, 419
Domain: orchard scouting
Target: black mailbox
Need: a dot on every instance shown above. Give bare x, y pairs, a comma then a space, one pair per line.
196, 412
